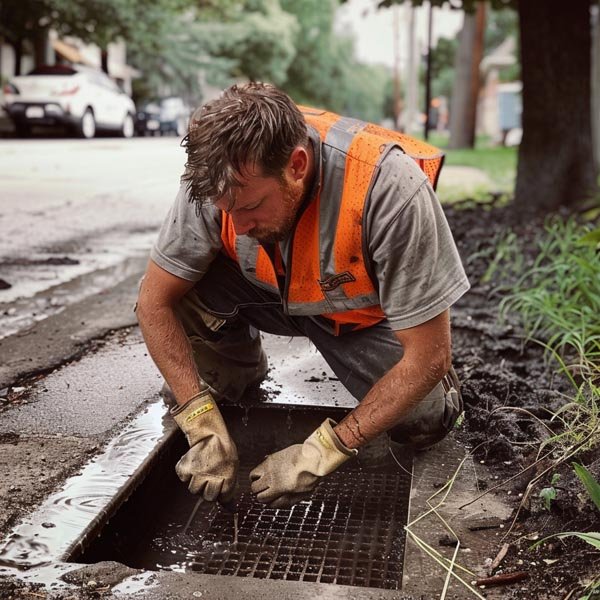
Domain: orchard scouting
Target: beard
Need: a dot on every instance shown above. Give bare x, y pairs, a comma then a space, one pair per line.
292, 197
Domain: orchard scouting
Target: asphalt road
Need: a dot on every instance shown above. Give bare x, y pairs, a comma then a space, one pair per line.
71, 208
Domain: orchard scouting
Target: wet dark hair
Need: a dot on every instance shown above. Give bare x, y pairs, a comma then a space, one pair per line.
248, 125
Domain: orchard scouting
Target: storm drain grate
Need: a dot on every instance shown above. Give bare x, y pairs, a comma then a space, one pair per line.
350, 533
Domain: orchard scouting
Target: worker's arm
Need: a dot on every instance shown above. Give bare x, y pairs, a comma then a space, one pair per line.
426, 359
163, 333
210, 465
290, 475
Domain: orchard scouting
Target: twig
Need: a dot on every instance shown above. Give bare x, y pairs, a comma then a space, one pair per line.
499, 558
450, 571
504, 579
503, 483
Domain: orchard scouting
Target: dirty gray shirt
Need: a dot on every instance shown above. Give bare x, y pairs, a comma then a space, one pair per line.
413, 254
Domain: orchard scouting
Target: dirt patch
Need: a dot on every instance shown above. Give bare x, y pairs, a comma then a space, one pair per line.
503, 381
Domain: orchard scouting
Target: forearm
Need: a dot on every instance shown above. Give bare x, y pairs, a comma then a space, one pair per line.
170, 349
391, 399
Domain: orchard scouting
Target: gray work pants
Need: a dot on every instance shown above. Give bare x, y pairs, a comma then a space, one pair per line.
224, 314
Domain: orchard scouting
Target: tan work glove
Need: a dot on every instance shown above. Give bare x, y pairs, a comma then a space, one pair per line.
290, 475
211, 463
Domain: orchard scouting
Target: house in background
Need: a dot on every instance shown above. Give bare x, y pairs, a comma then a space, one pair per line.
499, 108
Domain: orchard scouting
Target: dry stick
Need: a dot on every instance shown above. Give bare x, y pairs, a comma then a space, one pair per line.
194, 511
503, 483
440, 560
450, 570
504, 579
499, 558
525, 411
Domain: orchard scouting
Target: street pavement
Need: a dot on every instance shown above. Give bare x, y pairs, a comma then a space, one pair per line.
77, 218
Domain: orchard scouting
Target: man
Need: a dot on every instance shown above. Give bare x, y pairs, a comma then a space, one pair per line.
301, 224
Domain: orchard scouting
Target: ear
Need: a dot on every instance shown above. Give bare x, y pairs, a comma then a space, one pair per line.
297, 166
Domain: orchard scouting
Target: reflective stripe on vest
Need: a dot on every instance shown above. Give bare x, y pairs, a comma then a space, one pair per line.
326, 272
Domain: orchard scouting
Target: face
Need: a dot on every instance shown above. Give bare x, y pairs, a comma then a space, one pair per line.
264, 208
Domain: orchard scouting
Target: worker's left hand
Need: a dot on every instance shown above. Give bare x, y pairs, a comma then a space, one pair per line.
290, 475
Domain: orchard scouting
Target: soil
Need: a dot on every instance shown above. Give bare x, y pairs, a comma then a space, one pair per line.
501, 375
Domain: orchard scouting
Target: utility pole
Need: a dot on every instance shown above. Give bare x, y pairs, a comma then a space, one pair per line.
428, 71
412, 75
397, 86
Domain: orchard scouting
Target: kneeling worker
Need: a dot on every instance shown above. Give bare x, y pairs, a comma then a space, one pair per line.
298, 222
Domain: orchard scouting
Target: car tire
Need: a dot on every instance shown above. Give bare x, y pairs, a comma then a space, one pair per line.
23, 130
128, 127
86, 128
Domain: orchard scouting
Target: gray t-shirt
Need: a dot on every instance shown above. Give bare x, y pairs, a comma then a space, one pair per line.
413, 254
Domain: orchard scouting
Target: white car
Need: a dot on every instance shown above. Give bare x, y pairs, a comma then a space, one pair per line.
78, 97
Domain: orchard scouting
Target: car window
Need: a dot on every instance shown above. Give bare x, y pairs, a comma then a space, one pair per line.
53, 70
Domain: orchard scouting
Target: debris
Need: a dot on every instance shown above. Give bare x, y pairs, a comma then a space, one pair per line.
447, 540
4, 285
481, 524
504, 579
499, 558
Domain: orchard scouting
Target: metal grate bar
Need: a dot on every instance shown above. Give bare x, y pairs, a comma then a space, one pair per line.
350, 532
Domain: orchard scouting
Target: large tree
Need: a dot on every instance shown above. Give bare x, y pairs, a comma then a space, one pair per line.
556, 166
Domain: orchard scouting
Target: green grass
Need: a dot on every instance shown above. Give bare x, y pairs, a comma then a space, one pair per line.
497, 162
558, 300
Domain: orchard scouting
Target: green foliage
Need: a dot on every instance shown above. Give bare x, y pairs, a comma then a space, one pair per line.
558, 300
591, 485
548, 494
559, 297
324, 72
591, 537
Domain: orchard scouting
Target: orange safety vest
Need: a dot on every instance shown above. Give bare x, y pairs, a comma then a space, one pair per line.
327, 270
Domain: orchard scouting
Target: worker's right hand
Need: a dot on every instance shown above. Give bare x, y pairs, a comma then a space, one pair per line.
211, 464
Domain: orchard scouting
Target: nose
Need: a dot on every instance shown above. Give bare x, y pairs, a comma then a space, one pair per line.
241, 224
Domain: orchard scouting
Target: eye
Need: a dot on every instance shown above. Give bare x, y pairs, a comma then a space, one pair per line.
252, 207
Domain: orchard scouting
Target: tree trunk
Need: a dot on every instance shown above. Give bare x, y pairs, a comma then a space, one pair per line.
463, 106
40, 47
556, 163
596, 88
18, 50
104, 59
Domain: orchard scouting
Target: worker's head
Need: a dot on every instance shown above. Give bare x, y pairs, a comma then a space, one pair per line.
248, 154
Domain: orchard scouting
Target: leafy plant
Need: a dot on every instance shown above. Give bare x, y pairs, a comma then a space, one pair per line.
591, 485
548, 494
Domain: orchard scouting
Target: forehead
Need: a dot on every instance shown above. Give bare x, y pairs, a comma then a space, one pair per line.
253, 187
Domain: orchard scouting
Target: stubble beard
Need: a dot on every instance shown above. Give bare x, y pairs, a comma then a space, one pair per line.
292, 198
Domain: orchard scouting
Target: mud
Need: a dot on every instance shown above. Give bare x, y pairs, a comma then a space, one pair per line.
502, 378
498, 373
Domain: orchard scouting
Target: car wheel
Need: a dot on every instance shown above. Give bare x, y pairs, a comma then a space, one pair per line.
22, 130
128, 126
87, 126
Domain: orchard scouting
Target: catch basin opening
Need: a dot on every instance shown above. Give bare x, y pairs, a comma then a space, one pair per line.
350, 532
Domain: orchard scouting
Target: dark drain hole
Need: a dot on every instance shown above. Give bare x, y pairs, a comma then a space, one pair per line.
350, 532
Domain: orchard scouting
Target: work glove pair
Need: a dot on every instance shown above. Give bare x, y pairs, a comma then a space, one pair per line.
282, 479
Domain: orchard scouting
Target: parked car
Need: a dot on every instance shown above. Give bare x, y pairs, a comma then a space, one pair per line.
80, 98
163, 117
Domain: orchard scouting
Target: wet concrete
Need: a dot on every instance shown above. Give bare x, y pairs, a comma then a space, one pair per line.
89, 396
66, 334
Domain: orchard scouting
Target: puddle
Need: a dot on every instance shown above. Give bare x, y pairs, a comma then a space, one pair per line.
46, 283
66, 521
